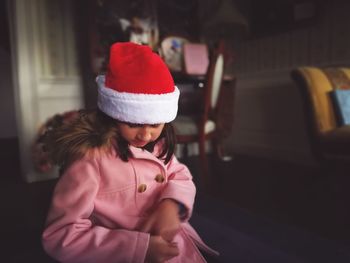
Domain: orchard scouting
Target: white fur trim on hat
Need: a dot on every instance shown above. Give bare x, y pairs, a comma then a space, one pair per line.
137, 108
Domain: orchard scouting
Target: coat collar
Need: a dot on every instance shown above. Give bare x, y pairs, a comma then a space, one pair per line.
139, 153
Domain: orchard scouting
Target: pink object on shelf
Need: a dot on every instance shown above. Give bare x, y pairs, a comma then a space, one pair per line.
196, 58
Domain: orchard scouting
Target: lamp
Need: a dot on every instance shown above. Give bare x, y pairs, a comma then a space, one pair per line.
227, 21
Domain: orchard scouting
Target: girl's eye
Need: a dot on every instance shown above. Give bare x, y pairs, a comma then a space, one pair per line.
134, 125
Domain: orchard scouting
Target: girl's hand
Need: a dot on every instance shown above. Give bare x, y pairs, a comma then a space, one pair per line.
164, 220
159, 250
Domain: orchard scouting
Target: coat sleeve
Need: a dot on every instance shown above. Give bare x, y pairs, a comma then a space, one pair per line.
70, 236
180, 186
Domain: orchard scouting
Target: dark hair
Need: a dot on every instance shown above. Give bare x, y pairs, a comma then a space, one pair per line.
122, 146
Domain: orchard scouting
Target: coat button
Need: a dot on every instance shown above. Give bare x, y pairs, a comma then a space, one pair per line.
142, 188
159, 178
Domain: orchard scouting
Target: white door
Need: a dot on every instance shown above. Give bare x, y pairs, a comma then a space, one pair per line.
45, 66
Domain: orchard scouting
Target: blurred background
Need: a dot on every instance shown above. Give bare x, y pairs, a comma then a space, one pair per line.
267, 179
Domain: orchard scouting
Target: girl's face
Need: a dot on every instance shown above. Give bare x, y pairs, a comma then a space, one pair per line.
139, 135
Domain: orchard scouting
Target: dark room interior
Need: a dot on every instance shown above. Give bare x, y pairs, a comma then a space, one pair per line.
273, 187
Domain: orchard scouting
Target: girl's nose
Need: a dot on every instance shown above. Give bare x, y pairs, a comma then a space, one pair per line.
144, 134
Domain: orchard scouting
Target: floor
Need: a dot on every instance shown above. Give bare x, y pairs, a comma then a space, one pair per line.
256, 210
271, 211
312, 198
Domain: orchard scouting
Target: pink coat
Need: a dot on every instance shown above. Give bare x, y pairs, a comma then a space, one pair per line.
99, 203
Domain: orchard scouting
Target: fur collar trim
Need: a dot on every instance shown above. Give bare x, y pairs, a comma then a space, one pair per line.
84, 135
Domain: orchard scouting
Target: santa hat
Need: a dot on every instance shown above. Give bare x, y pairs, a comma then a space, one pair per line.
138, 87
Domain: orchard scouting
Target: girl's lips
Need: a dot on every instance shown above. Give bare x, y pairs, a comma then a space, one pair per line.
139, 143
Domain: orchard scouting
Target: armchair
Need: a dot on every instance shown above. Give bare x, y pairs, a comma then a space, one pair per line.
329, 141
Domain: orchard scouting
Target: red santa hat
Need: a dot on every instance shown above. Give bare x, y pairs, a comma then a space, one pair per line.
138, 87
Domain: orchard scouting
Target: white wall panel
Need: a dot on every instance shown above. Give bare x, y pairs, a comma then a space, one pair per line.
47, 78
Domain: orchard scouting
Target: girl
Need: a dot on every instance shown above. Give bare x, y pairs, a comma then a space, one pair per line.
123, 196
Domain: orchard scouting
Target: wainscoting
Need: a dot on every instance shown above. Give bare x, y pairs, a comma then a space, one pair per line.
268, 119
